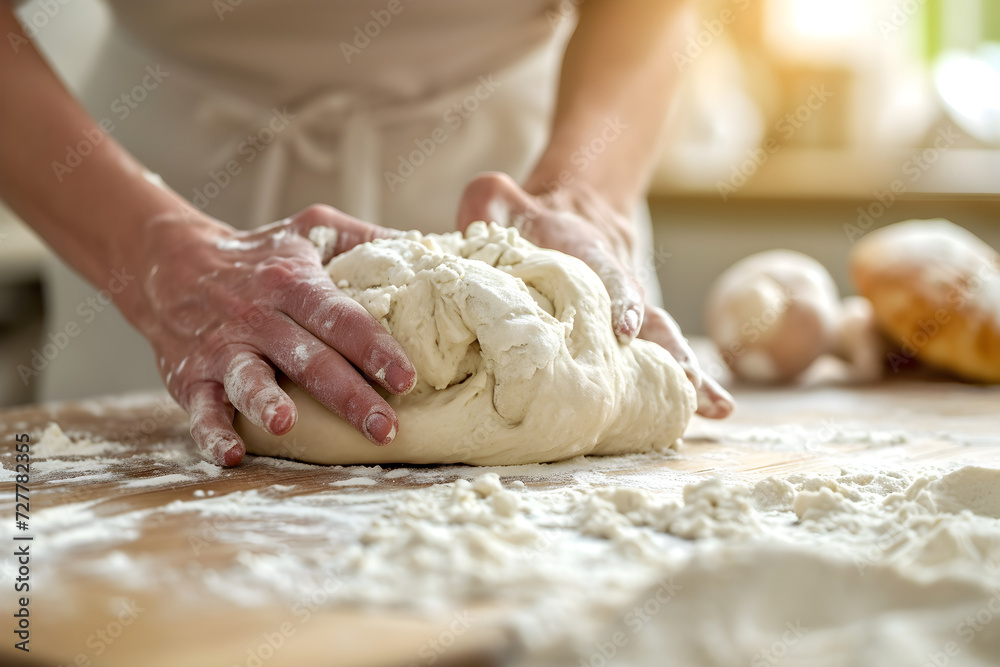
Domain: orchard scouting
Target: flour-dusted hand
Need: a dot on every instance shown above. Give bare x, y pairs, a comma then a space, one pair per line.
224, 308
575, 221
659, 327
578, 221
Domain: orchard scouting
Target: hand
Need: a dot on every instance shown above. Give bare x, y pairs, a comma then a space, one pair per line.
223, 308
577, 221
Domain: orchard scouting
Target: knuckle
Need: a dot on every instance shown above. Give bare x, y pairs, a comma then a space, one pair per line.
379, 351
183, 393
277, 273
339, 388
249, 318
342, 318
240, 370
489, 185
315, 214
358, 403
315, 368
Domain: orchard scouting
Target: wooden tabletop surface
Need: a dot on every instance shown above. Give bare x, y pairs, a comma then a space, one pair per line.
814, 427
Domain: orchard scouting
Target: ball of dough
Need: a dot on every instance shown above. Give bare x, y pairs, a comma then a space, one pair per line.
515, 356
772, 314
859, 341
935, 288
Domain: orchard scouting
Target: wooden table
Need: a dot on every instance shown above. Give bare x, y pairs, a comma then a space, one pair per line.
817, 427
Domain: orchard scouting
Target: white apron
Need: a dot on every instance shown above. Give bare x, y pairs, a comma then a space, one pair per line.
253, 111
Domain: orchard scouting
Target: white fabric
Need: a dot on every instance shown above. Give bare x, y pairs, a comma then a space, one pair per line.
351, 124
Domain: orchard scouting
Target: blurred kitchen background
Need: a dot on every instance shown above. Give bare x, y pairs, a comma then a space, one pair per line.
801, 124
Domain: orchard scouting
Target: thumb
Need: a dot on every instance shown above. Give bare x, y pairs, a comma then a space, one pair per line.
334, 231
490, 197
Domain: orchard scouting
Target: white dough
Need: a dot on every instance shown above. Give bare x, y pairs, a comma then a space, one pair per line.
515, 356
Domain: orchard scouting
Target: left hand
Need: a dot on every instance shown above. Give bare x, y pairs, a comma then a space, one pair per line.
577, 221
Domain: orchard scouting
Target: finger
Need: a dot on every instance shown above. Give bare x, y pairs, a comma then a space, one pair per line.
344, 325
627, 297
494, 197
333, 231
331, 380
663, 330
212, 424
251, 387
714, 402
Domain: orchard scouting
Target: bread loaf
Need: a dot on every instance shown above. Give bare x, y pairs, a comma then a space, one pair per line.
935, 290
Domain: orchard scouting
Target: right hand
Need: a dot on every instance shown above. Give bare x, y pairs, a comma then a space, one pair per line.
578, 222
224, 308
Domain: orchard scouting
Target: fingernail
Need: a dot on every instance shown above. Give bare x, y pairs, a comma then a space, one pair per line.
380, 428
717, 407
725, 402
628, 325
279, 418
233, 456
400, 378
631, 319
726, 405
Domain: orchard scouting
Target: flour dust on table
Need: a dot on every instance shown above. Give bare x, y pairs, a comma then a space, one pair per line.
866, 567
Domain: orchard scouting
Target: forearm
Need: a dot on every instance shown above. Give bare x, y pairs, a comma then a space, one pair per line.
615, 89
91, 212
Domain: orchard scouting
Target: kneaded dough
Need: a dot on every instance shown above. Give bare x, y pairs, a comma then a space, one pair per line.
772, 314
515, 356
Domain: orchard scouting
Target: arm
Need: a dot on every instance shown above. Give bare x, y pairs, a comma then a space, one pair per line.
617, 82
221, 308
616, 86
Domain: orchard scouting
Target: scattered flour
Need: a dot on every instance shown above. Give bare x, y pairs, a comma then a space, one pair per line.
866, 567
159, 480
797, 437
54, 443
58, 457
